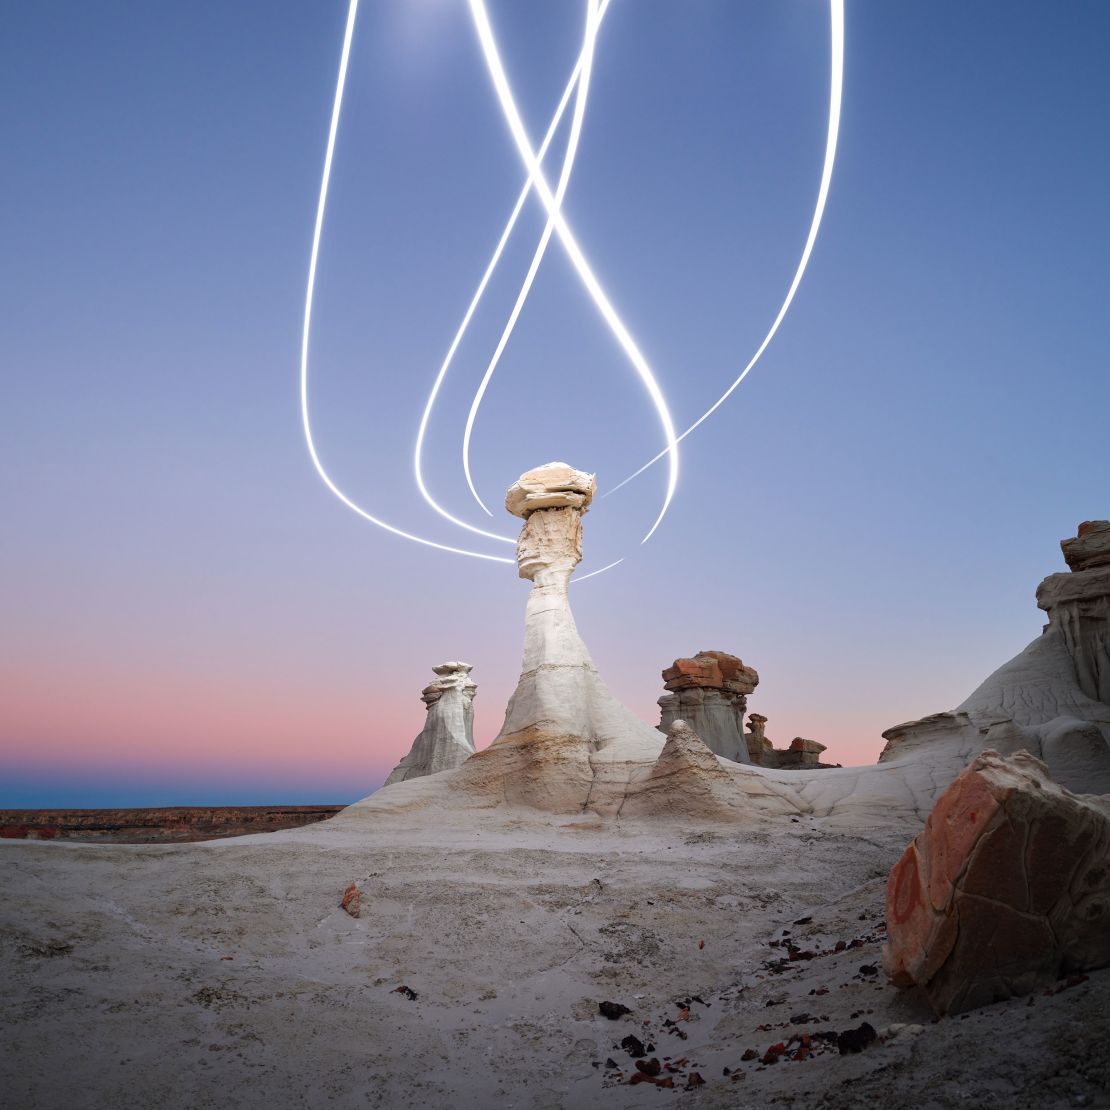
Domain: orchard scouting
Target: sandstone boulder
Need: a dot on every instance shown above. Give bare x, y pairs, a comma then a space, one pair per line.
352, 900
1006, 889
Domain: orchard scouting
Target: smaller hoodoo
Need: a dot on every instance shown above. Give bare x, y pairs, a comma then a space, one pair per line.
447, 739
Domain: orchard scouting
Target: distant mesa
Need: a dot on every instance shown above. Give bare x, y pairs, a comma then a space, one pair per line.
164, 824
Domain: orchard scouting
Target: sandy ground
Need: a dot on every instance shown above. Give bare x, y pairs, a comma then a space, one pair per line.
224, 974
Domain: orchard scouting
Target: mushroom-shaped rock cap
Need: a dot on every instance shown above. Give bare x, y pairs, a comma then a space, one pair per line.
454, 667
552, 486
711, 670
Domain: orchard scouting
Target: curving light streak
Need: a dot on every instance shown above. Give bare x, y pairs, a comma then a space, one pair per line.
592, 18
836, 85
552, 204
600, 570
310, 290
574, 252
491, 266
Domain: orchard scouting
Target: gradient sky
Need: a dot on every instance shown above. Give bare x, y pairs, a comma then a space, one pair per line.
188, 616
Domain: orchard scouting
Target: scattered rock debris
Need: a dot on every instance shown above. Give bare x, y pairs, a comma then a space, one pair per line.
612, 1010
856, 1040
633, 1046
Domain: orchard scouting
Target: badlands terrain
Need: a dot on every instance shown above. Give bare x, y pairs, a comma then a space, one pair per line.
591, 912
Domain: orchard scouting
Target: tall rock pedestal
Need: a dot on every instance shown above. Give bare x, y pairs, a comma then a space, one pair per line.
567, 745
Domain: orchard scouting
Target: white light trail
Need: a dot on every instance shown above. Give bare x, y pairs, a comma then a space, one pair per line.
836, 86
574, 252
557, 223
600, 570
309, 292
490, 267
592, 18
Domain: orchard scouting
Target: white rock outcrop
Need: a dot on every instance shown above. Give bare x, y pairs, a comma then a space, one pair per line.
447, 739
1051, 700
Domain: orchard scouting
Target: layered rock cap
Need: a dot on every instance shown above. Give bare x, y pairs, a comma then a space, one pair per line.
711, 670
1089, 547
450, 676
555, 485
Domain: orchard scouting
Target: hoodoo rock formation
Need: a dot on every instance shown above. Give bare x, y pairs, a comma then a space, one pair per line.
709, 692
567, 745
1078, 603
1053, 699
447, 739
1007, 888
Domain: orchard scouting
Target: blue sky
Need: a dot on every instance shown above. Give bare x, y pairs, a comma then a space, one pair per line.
189, 616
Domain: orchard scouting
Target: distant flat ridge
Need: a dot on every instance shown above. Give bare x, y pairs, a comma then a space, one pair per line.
157, 825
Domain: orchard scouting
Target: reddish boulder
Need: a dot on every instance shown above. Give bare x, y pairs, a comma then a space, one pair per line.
352, 900
1005, 890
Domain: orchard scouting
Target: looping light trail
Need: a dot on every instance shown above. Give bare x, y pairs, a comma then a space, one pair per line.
568, 158
836, 88
577, 258
557, 224
309, 292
